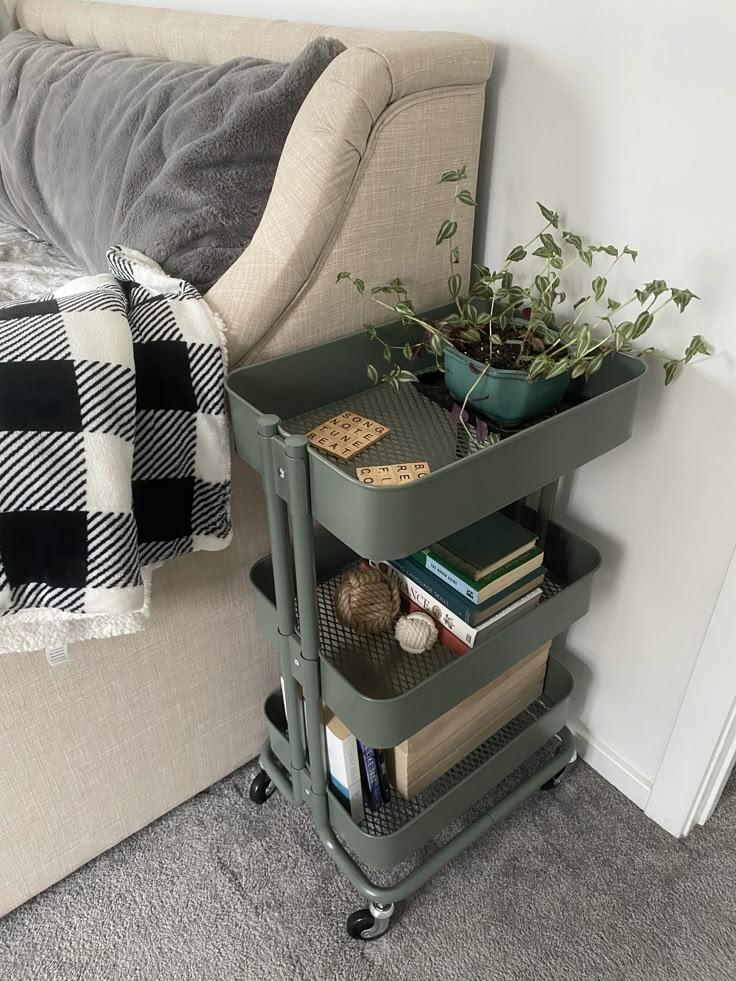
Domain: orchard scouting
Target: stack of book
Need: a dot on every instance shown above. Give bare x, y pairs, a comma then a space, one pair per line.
482, 577
357, 772
432, 751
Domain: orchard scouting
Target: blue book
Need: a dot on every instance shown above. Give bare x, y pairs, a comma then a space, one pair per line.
369, 771
383, 777
455, 602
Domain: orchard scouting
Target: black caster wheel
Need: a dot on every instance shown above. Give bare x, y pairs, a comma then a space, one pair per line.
369, 924
261, 788
557, 779
554, 781
359, 922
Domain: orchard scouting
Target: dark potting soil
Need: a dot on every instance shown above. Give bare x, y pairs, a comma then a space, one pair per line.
502, 355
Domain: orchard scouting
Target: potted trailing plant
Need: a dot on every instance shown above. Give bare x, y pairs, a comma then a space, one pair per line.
512, 344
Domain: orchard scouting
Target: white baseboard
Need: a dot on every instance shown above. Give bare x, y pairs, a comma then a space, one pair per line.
611, 767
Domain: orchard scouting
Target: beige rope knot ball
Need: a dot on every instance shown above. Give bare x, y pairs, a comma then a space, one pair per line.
416, 633
367, 601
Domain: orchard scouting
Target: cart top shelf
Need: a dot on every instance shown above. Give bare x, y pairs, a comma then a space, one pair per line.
474, 470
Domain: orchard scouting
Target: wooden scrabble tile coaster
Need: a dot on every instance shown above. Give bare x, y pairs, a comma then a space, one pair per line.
346, 435
392, 474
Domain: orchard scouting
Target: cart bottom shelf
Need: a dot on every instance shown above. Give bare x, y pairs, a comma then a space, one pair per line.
390, 834
399, 812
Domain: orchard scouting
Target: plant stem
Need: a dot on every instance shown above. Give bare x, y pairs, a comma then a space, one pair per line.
601, 319
458, 304
467, 396
408, 316
661, 306
663, 357
528, 244
613, 327
493, 298
584, 305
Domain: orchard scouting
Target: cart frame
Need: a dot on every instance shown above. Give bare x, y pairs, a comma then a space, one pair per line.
285, 483
302, 486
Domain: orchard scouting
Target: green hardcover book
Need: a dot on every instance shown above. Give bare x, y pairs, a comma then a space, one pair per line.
485, 546
479, 590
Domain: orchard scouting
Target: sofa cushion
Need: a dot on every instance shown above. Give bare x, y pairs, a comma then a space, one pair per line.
100, 148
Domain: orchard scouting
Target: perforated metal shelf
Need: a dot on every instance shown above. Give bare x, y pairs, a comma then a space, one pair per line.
374, 663
423, 429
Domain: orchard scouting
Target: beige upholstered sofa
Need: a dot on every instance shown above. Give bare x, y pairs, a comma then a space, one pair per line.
94, 749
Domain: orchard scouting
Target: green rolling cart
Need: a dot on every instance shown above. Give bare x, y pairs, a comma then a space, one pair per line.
381, 693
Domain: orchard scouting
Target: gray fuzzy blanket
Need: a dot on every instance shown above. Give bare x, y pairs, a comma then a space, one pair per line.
99, 148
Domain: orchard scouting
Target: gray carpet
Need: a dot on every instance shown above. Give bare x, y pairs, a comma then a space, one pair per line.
576, 884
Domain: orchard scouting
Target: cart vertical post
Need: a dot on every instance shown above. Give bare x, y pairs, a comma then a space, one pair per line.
547, 498
302, 527
278, 527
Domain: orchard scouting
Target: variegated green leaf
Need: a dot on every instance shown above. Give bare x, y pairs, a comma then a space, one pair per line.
599, 285
551, 216
465, 197
447, 230
584, 341
559, 368
516, 254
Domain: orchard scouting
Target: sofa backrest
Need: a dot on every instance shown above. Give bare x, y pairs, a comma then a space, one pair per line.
416, 60
357, 184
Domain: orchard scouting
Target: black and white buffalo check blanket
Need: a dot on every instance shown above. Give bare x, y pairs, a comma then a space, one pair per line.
114, 449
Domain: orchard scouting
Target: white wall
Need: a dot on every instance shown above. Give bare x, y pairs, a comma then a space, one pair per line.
620, 115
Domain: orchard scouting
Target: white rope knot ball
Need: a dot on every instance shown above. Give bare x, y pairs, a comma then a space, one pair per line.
416, 633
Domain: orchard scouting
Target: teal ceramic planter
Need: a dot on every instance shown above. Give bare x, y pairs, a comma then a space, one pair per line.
501, 393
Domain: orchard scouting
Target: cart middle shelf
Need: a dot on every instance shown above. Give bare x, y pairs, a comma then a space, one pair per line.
383, 694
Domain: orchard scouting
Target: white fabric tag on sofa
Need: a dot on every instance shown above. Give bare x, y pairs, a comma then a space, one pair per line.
57, 655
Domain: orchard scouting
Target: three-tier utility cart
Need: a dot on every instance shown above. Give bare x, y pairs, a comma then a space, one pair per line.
382, 694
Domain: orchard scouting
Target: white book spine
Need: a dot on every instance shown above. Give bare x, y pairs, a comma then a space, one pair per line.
534, 594
469, 592
344, 765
